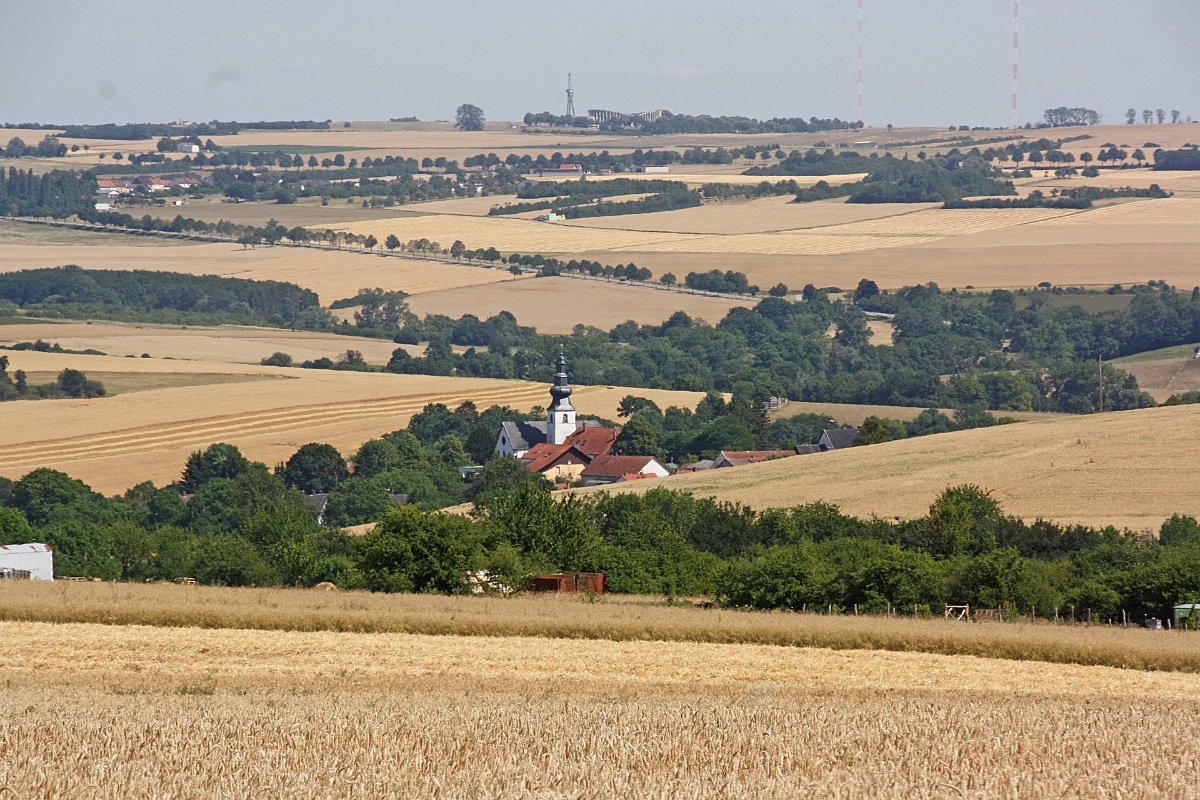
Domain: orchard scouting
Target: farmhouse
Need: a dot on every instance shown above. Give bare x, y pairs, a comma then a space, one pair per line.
34, 562
567, 460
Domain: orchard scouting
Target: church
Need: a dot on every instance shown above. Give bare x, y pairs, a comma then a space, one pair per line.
559, 447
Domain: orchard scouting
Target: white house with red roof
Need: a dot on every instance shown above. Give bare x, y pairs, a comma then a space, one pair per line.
615, 469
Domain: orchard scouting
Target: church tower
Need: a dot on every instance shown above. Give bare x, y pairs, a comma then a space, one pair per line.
560, 418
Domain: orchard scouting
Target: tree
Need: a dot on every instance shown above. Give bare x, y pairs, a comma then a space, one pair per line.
356, 501
667, 279
631, 404
778, 290
469, 117
457, 249
43, 490
1174, 116
73, 383
219, 460
413, 551
638, 437
500, 476
391, 242
1147, 115
1131, 116
376, 456
315, 468
1139, 156
1160, 115
370, 242
1086, 157
866, 289
277, 359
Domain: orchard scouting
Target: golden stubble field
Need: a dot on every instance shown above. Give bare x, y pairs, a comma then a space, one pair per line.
228, 343
556, 305
112, 443
1129, 469
121, 711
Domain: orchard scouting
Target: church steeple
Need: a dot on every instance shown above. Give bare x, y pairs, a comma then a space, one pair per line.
560, 417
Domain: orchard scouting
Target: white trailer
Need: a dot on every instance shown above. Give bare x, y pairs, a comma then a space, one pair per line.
27, 561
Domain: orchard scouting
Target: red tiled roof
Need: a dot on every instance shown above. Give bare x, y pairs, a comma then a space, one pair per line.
542, 456
616, 466
739, 457
593, 441
638, 476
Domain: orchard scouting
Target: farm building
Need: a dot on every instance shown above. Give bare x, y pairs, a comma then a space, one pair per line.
570, 582
574, 170
649, 168
837, 438
737, 458
32, 561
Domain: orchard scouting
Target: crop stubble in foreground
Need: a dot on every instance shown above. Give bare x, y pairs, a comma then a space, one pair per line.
121, 711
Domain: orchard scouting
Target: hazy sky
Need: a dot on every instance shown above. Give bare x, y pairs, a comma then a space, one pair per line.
928, 62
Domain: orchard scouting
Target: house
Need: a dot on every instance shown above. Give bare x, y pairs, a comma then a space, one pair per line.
32, 562
695, 466
567, 170
614, 469
590, 582
518, 436
647, 168
737, 458
151, 184
109, 186
567, 460
807, 449
837, 439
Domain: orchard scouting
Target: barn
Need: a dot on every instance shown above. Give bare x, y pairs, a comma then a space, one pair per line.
27, 562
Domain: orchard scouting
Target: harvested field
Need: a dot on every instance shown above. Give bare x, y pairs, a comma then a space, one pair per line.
892, 231
733, 177
305, 212
332, 274
1129, 469
855, 413
1163, 373
116, 383
230, 343
753, 216
1185, 184
195, 713
115, 442
506, 234
1161, 211
556, 305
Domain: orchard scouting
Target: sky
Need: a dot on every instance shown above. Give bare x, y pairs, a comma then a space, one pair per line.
927, 62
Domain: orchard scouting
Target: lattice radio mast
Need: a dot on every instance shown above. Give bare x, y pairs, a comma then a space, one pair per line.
570, 98
1016, 16
860, 63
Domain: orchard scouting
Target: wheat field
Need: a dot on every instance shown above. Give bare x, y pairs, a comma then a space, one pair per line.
120, 711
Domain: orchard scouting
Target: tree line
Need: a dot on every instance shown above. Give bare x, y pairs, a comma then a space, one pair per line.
242, 524
69, 383
142, 295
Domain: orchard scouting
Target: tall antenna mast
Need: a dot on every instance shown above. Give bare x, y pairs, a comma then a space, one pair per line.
860, 63
1016, 14
570, 98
